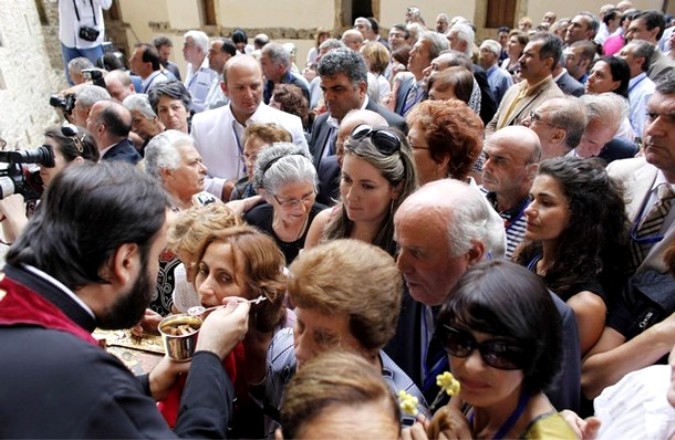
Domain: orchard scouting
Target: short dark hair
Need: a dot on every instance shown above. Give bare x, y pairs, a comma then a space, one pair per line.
344, 61
239, 36
653, 19
87, 213
172, 89
402, 28
228, 46
162, 40
551, 47
612, 14
149, 54
374, 25
502, 298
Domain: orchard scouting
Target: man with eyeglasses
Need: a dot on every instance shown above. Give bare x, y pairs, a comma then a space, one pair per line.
639, 330
441, 230
559, 123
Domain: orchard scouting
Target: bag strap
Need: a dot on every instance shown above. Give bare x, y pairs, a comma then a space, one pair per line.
77, 12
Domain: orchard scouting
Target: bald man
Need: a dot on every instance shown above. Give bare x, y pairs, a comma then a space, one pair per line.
109, 123
511, 157
218, 132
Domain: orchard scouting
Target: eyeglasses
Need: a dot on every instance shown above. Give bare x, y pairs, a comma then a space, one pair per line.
537, 117
495, 353
296, 203
385, 141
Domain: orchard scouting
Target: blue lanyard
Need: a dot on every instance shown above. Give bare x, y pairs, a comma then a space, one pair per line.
532, 265
636, 83
513, 418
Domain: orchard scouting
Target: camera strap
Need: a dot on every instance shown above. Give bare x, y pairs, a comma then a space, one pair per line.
77, 12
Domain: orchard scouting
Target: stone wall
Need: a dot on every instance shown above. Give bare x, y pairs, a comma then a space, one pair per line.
27, 75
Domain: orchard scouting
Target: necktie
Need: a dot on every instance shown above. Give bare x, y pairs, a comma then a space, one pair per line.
651, 224
410, 99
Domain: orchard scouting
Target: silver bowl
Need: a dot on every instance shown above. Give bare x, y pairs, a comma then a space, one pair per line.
179, 335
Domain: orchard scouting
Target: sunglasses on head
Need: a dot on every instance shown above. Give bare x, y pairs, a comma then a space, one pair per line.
496, 353
385, 141
71, 131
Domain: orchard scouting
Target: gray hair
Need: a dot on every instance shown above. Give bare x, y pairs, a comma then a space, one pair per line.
162, 152
331, 44
607, 108
472, 220
141, 103
87, 95
280, 164
278, 54
438, 42
464, 33
571, 116
643, 49
344, 61
79, 64
492, 46
199, 38
365, 22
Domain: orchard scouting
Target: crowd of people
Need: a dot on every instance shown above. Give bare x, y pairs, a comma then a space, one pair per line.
403, 207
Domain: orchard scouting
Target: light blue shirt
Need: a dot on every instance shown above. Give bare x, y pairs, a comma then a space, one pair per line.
499, 80
640, 89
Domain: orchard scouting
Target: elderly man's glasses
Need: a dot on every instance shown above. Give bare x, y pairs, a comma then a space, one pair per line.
385, 141
534, 116
496, 353
296, 203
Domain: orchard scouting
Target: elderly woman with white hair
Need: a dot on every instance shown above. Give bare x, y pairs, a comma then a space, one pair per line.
173, 160
285, 177
144, 121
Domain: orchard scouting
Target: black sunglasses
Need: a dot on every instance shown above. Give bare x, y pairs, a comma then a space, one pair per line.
71, 131
385, 141
495, 353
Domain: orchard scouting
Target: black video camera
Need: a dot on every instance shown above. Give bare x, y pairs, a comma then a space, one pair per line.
15, 179
95, 76
66, 103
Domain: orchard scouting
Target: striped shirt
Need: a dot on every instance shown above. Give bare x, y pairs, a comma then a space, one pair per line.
515, 223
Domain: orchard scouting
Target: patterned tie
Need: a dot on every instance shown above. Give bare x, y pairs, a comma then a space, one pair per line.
652, 223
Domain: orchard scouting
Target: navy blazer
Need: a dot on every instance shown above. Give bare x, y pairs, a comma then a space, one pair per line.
329, 181
404, 349
321, 130
618, 148
124, 151
402, 94
569, 85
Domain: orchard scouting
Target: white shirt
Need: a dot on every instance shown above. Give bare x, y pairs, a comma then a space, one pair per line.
69, 26
198, 82
640, 89
60, 286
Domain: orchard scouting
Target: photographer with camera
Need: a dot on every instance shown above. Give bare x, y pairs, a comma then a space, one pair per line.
81, 29
20, 190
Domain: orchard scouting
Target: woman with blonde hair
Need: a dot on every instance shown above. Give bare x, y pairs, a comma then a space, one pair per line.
377, 59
